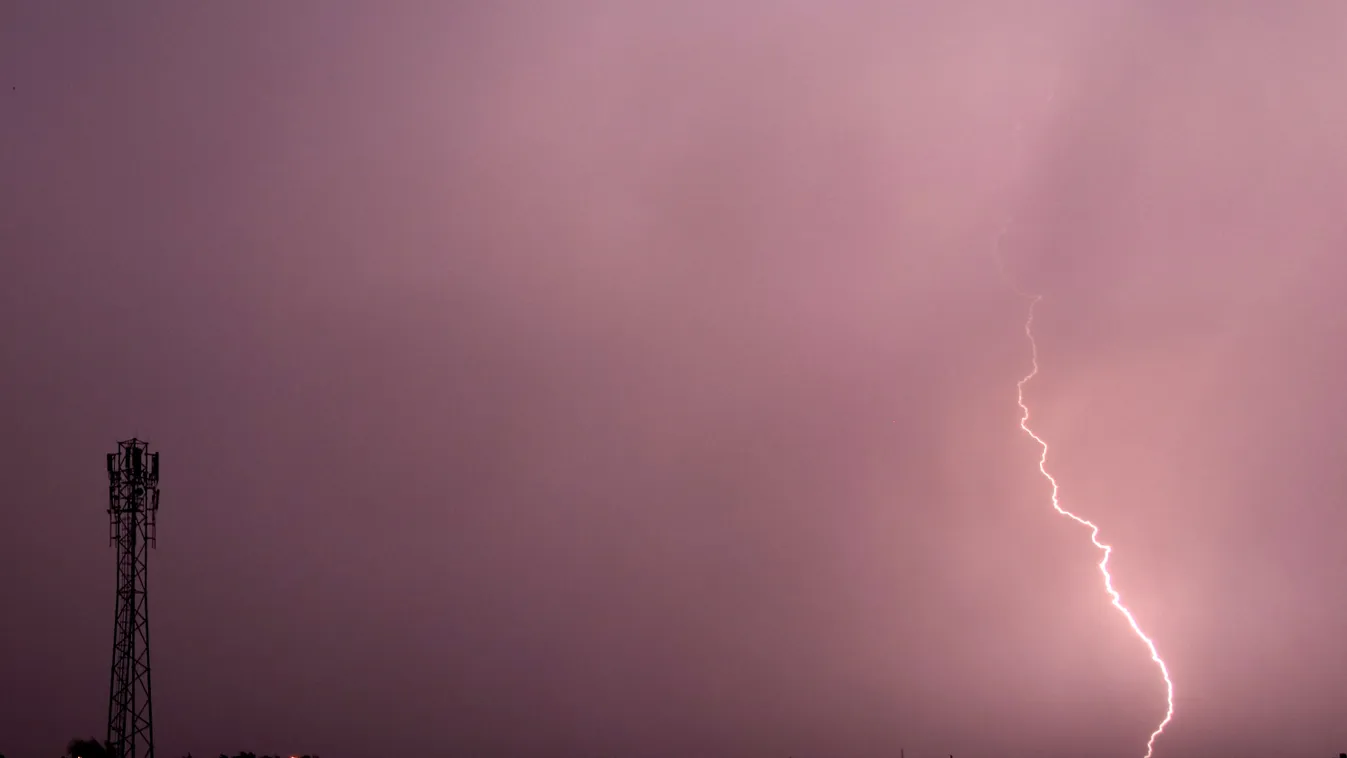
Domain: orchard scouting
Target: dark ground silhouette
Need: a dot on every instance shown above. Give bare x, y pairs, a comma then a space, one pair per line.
93, 748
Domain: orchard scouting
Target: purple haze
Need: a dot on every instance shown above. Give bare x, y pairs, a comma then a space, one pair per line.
636, 379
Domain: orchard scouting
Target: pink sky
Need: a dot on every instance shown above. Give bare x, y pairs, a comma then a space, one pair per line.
636, 379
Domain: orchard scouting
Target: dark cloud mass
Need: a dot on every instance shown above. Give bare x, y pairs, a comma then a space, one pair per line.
637, 379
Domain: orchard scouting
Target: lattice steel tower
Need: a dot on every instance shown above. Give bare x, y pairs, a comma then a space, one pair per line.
133, 501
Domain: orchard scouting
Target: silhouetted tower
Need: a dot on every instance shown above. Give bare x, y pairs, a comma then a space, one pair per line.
133, 501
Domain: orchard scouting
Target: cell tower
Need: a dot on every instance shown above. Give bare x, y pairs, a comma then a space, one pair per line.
133, 501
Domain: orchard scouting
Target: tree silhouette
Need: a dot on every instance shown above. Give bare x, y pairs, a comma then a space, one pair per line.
90, 748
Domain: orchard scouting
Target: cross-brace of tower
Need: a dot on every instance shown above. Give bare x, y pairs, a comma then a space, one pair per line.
133, 501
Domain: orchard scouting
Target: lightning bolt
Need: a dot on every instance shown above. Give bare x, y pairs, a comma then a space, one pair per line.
1034, 300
